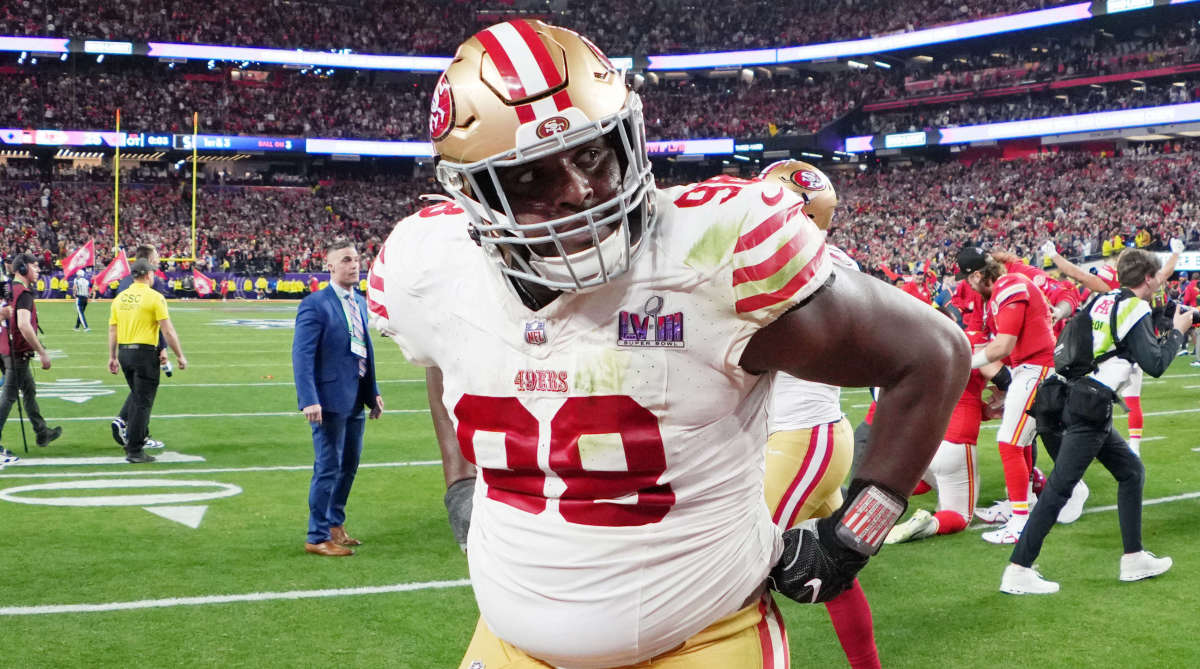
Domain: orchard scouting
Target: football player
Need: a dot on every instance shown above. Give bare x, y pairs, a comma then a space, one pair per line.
810, 444
605, 351
1018, 318
1103, 281
954, 471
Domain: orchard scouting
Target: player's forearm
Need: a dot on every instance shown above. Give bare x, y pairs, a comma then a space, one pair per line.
112, 342
912, 414
455, 467
1089, 280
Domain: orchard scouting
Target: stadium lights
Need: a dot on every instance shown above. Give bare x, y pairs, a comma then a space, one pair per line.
882, 65
100, 58
738, 156
855, 65
815, 156
923, 59
63, 57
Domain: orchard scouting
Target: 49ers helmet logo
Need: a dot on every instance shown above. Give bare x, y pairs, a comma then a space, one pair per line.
441, 110
808, 180
552, 126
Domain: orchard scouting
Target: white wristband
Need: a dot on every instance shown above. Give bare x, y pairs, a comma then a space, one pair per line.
979, 359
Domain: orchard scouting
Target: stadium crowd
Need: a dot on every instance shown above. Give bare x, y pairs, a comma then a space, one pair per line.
621, 27
242, 229
154, 99
900, 217
890, 217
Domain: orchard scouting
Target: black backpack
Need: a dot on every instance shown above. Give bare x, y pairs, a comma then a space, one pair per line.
1073, 350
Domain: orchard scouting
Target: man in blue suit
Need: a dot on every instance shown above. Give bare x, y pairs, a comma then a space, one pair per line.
334, 367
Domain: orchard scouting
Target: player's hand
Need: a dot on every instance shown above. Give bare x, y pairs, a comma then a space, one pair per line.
1048, 248
1176, 245
377, 410
113, 366
162, 357
821, 562
313, 413
459, 501
45, 358
181, 360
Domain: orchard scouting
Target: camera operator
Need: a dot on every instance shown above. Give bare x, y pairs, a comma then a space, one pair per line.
21, 343
1087, 424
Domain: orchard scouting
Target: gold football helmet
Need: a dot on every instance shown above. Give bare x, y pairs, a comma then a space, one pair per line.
517, 92
820, 198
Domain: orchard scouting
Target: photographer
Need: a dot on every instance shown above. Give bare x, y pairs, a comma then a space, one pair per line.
1088, 433
21, 343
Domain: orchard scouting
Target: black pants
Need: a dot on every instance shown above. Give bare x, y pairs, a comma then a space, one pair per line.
1088, 435
139, 362
18, 378
80, 307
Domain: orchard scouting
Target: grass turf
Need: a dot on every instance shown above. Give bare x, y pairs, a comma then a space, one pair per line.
935, 602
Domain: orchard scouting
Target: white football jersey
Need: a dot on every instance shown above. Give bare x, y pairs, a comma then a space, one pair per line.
619, 507
797, 404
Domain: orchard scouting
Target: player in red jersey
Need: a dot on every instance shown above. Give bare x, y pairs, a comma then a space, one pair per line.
1018, 318
1103, 280
954, 471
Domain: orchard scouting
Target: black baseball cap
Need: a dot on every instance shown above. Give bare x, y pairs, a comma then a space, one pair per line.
970, 259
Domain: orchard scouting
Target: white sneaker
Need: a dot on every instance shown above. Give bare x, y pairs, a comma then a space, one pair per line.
7, 457
1018, 580
152, 443
998, 512
1073, 509
1009, 533
1143, 564
921, 525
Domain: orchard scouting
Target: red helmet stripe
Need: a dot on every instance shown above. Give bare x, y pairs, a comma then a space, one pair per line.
540, 53
562, 99
503, 63
525, 113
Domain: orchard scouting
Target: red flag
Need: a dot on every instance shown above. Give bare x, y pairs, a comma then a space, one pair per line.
204, 285
84, 256
117, 269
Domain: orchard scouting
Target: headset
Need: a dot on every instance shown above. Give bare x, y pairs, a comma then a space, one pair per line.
21, 263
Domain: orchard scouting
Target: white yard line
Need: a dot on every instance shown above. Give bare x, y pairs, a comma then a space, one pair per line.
228, 599
1111, 507
171, 602
208, 470
261, 414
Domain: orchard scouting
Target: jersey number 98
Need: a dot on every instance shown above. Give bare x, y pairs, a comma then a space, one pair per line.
626, 498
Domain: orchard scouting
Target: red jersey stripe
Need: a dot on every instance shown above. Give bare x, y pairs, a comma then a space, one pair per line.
761, 300
769, 266
765, 229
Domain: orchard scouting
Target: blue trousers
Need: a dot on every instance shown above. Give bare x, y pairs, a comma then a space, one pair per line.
337, 446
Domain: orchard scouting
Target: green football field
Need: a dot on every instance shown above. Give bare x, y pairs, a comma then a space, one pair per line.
199, 561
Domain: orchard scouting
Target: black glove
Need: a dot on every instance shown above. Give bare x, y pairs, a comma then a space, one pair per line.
459, 501
1002, 379
817, 566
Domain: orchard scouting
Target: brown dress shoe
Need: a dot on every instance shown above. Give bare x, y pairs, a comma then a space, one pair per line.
338, 536
328, 548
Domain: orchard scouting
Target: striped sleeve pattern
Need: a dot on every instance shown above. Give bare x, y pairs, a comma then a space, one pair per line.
778, 262
1008, 290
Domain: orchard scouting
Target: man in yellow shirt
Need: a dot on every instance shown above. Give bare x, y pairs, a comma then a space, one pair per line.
137, 314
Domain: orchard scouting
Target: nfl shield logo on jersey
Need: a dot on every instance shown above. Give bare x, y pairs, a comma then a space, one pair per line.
535, 332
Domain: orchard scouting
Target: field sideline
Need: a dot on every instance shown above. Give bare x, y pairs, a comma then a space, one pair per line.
199, 561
